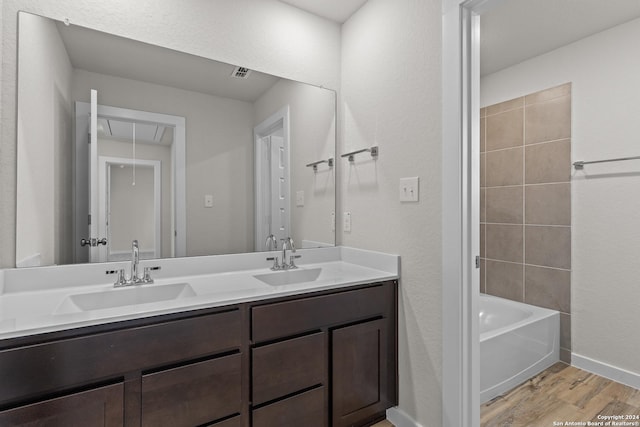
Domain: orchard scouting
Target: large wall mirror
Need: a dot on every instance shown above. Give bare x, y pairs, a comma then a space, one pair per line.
121, 140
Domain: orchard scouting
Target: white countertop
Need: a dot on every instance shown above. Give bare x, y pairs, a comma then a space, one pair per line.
34, 300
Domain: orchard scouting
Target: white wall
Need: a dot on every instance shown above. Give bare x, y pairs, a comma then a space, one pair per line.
265, 35
44, 150
391, 96
219, 135
604, 72
313, 137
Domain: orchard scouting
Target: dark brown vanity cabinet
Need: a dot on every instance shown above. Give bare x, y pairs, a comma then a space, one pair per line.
334, 355
177, 370
318, 360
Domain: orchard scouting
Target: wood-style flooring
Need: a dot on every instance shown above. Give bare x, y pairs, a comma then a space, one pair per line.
383, 423
562, 394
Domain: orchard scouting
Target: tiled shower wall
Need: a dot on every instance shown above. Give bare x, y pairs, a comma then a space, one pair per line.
525, 202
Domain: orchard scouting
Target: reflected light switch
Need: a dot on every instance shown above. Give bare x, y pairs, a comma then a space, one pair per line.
300, 198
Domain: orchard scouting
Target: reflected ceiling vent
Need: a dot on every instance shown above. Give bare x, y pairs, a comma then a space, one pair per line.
241, 73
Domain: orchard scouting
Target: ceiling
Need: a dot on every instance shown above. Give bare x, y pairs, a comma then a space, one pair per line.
517, 30
334, 10
104, 53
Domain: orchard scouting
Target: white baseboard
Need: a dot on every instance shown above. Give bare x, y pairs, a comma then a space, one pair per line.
614, 373
400, 419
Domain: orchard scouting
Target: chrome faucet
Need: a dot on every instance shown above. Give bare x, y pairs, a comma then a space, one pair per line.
271, 241
135, 259
288, 241
134, 279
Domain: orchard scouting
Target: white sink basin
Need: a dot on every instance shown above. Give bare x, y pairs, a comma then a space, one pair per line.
289, 277
119, 297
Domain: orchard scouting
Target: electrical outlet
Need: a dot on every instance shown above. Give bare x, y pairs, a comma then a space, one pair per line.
409, 189
347, 222
208, 201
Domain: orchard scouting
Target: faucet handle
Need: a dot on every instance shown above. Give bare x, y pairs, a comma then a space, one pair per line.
121, 280
292, 259
275, 266
147, 274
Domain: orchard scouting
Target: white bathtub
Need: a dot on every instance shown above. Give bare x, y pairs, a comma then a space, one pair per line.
517, 341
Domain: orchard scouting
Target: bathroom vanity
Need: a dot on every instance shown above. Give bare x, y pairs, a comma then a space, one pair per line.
316, 353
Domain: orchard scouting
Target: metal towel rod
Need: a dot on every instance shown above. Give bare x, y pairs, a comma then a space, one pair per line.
351, 155
314, 165
580, 165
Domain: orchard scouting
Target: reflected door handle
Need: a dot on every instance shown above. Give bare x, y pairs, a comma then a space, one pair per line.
93, 242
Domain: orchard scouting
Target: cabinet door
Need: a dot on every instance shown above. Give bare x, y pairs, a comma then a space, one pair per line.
100, 407
360, 377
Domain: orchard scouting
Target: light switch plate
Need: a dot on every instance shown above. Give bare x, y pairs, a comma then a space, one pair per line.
347, 221
333, 221
208, 200
409, 189
300, 198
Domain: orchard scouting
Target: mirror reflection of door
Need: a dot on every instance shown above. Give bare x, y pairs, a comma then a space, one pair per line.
272, 171
276, 196
140, 143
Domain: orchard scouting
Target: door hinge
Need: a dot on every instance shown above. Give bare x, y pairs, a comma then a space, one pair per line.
89, 140
477, 261
89, 219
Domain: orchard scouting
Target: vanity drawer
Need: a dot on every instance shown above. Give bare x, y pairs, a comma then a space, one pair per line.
288, 366
271, 321
194, 394
98, 407
306, 409
101, 356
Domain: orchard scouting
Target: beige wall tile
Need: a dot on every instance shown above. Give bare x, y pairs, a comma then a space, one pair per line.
548, 204
504, 167
483, 169
504, 205
505, 130
548, 94
504, 242
483, 204
548, 121
548, 287
483, 269
565, 330
505, 106
547, 246
483, 122
483, 237
504, 280
549, 162
483, 112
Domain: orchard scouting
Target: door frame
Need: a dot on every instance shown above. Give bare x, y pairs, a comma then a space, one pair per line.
278, 120
178, 171
461, 207
104, 197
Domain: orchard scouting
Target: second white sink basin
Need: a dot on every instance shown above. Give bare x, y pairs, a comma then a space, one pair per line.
139, 294
289, 277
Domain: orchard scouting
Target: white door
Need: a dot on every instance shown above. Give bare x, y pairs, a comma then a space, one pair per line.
96, 243
279, 191
272, 171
